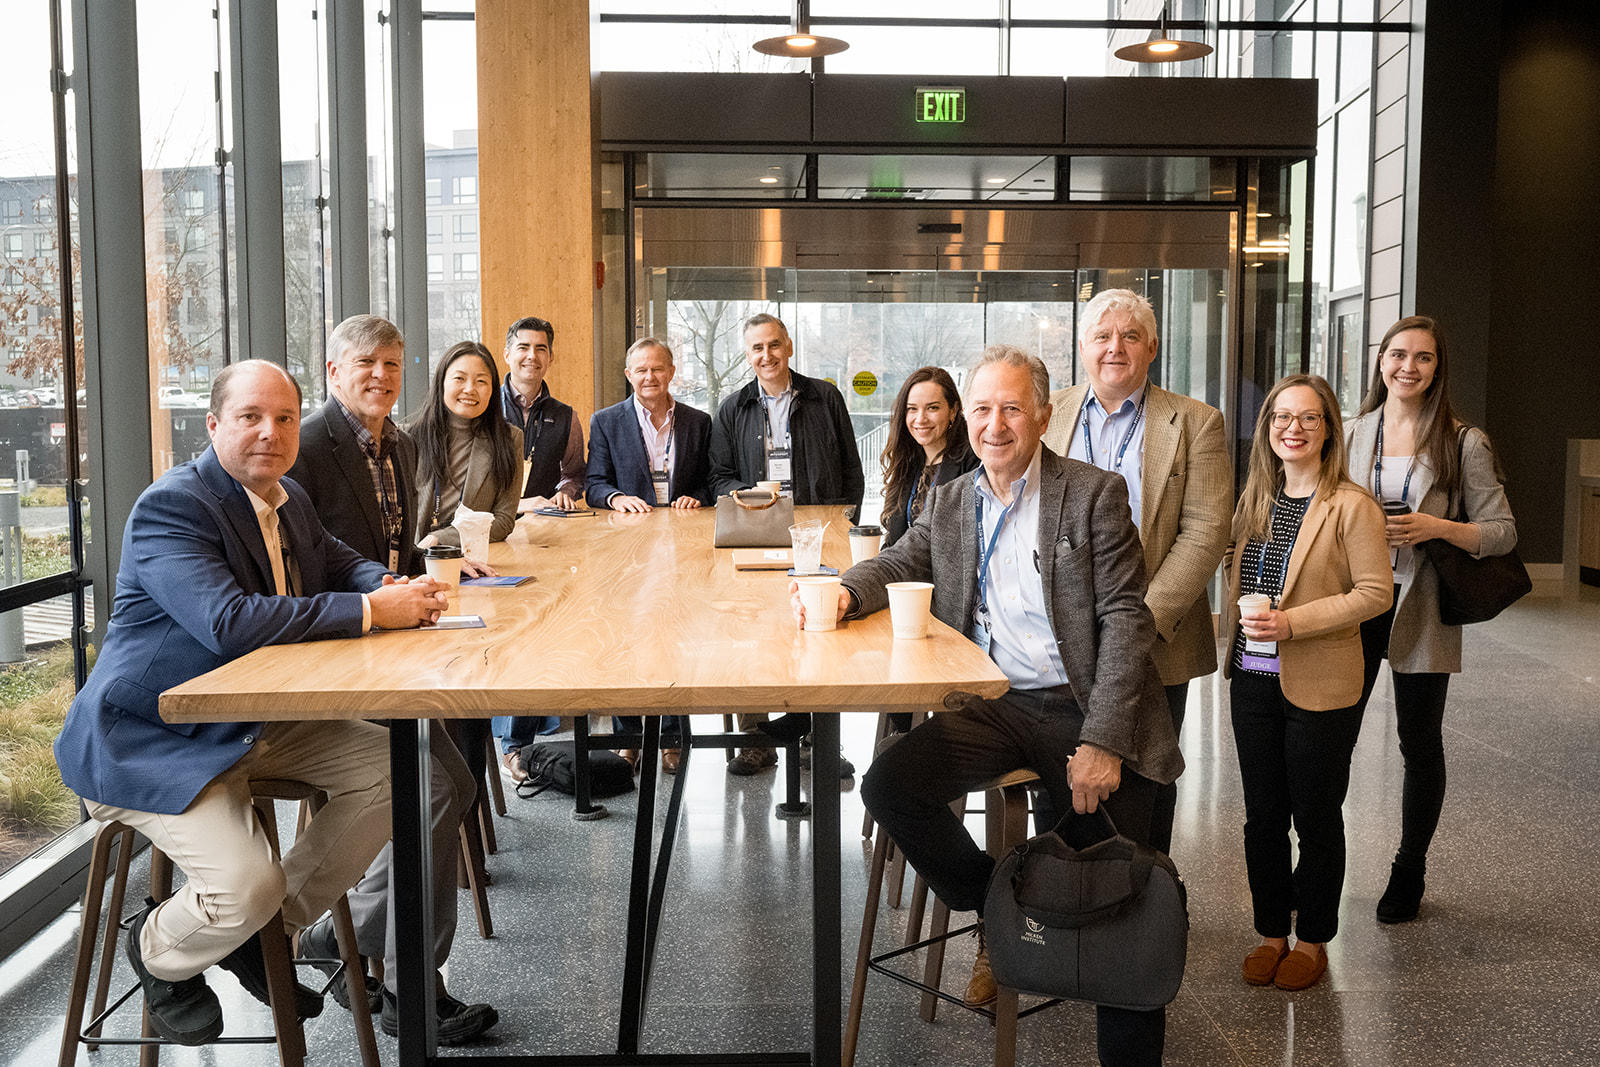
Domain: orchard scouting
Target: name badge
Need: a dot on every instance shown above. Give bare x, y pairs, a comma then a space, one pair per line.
394, 560
780, 467
1260, 656
659, 478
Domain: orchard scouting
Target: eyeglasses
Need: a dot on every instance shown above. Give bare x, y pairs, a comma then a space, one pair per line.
1309, 421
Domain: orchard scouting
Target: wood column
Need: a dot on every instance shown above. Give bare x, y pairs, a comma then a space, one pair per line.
537, 196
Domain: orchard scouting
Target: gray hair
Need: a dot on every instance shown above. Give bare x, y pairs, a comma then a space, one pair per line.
763, 319
1123, 300
648, 342
362, 335
1012, 356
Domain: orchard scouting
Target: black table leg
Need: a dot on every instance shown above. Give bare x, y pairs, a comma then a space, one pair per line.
826, 983
411, 789
637, 950
584, 810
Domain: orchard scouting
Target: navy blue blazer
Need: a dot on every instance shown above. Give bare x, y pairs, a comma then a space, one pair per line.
618, 462
194, 591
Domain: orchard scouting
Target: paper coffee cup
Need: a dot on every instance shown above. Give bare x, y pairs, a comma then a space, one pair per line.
444, 565
909, 604
819, 594
1254, 603
864, 542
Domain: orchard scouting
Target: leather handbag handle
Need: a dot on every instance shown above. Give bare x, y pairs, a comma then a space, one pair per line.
771, 499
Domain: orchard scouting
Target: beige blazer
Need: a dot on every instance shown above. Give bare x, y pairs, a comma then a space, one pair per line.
1339, 576
478, 494
1419, 642
1187, 485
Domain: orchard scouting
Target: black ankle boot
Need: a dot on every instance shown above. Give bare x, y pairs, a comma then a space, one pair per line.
1402, 900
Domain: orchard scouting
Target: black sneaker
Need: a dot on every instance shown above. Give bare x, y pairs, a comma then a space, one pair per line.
247, 965
187, 1011
752, 761
846, 768
458, 1023
319, 945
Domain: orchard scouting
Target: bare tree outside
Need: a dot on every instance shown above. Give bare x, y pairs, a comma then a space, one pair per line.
705, 335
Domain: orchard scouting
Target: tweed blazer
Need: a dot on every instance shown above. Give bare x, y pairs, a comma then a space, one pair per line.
479, 494
1419, 642
1184, 522
1093, 577
332, 468
1338, 578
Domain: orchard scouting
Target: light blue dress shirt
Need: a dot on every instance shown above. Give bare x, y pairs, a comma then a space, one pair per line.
1019, 639
1106, 432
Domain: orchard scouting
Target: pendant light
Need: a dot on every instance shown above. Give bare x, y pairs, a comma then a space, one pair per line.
1161, 48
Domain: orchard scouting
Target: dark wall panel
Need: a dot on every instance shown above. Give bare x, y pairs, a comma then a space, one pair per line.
1544, 377
708, 109
1192, 112
881, 109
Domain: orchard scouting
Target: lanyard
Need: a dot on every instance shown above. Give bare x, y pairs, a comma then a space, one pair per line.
1127, 438
766, 419
438, 489
983, 563
666, 456
1283, 572
1377, 468
911, 497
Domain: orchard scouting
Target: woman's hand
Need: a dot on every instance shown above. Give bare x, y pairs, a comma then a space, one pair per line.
471, 568
1416, 527
1269, 625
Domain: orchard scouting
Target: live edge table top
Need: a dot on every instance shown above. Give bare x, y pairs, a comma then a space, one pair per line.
635, 612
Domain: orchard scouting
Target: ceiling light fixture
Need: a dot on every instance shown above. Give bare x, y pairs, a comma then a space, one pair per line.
1161, 48
767, 180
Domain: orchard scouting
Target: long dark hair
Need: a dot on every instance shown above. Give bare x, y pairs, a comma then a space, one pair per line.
1439, 441
431, 426
902, 456
1253, 517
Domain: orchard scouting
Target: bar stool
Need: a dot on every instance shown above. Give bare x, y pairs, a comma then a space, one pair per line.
288, 1033
1006, 825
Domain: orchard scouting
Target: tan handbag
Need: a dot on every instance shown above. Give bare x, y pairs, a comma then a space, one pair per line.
753, 518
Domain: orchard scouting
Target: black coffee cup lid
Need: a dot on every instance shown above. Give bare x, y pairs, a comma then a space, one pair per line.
867, 531
443, 552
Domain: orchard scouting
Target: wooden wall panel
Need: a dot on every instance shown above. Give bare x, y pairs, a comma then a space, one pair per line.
537, 207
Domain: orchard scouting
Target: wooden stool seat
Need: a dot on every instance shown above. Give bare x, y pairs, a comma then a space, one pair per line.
1006, 825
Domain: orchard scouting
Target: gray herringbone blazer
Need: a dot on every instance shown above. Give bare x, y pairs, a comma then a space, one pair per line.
1094, 587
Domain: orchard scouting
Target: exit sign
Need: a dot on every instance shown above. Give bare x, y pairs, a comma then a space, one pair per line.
941, 103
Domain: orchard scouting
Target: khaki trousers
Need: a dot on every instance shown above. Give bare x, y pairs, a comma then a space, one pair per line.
234, 885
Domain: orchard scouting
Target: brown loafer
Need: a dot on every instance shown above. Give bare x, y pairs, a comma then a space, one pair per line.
632, 756
669, 760
1261, 966
1301, 971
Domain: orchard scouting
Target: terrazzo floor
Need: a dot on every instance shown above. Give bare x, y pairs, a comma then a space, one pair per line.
1502, 968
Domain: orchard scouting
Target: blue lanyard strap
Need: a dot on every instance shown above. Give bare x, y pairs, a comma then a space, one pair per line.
1261, 559
1377, 468
1127, 438
994, 538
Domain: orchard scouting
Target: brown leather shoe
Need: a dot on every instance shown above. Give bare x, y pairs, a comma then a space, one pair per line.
981, 989
1261, 966
513, 766
632, 756
1301, 971
669, 760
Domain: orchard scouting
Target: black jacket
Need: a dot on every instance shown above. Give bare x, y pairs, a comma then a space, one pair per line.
827, 467
958, 460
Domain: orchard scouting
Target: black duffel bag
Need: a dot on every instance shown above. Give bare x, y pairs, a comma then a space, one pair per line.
1084, 913
552, 765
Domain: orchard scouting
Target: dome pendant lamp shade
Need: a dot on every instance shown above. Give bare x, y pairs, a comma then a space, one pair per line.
800, 46
1161, 48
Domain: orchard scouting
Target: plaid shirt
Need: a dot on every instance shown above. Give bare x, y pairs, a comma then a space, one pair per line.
380, 463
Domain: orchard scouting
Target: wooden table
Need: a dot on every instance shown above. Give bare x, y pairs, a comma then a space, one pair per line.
628, 614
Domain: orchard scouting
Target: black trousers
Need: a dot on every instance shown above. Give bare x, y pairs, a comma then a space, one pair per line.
910, 786
1419, 719
1295, 767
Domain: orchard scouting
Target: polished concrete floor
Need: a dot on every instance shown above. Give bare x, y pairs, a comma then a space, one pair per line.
1502, 968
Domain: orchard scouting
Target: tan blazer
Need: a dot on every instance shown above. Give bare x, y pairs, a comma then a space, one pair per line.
1184, 522
1420, 642
1339, 576
479, 494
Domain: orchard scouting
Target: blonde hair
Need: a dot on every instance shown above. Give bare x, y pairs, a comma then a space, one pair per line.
1253, 517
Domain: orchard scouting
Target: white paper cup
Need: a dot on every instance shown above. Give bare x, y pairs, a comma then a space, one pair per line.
819, 594
1254, 603
446, 572
909, 604
776, 487
864, 543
